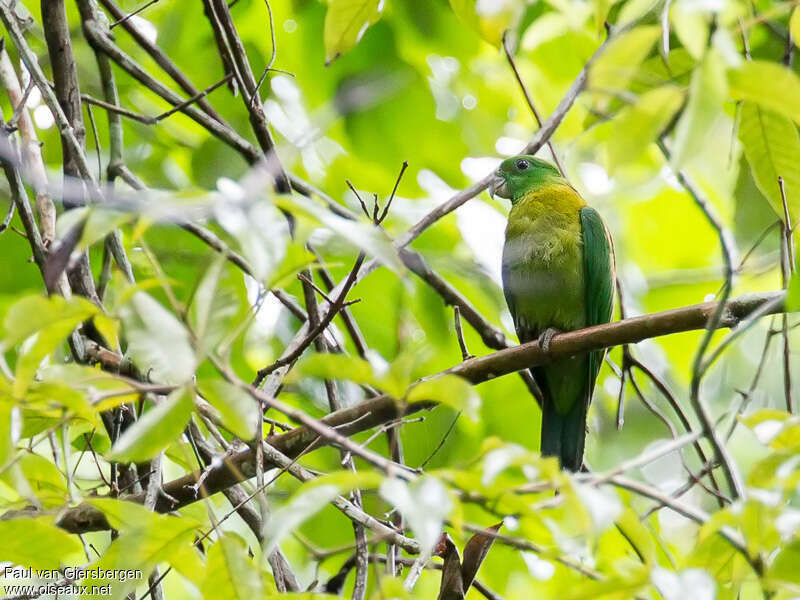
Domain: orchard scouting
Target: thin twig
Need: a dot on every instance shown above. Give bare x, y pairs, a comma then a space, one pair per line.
465, 354
315, 331
133, 14
391, 197
529, 100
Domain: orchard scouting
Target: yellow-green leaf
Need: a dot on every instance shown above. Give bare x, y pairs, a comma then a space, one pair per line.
691, 27
231, 573
488, 20
771, 85
335, 366
643, 122
155, 429
239, 412
620, 61
346, 22
794, 26
38, 543
450, 390
772, 148
34, 313
707, 93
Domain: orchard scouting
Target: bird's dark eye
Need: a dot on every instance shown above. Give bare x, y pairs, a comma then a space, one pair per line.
522, 164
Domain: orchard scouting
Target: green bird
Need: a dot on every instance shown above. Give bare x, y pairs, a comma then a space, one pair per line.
558, 275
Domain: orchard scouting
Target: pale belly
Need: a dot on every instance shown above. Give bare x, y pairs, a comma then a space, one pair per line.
544, 285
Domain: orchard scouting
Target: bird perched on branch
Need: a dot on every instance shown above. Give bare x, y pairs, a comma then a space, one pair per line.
558, 275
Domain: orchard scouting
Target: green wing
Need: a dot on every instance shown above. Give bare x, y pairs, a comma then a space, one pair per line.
599, 276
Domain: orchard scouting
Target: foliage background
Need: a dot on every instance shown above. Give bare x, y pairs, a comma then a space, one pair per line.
427, 83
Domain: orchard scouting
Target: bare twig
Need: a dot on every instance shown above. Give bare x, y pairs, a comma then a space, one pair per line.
699, 366
788, 230
133, 14
313, 332
465, 355
376, 411
160, 58
391, 197
787, 271
529, 100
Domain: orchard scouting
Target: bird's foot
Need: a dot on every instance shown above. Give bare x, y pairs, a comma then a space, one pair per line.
546, 337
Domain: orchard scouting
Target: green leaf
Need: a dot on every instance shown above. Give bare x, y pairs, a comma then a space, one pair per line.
346, 21
772, 148
305, 504
794, 26
490, 22
365, 236
770, 85
52, 320
262, 233
424, 503
784, 568
691, 27
155, 429
793, 294
214, 306
43, 476
707, 93
335, 366
123, 515
100, 223
642, 122
620, 61
38, 543
450, 390
157, 340
35, 313
238, 410
231, 573
7, 441
146, 539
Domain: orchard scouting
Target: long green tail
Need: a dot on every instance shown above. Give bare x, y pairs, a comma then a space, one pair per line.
564, 436
566, 389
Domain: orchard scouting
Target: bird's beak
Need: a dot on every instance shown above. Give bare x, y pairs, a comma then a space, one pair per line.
498, 186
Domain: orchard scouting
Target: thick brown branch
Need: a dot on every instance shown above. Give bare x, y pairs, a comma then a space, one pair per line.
380, 410
628, 331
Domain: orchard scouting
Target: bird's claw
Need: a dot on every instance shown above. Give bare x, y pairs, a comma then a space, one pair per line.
546, 337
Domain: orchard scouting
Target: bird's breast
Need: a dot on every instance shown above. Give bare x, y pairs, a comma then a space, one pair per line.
543, 273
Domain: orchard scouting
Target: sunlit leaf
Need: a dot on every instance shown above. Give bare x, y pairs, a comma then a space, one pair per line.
300, 508
424, 503
346, 22
770, 85
691, 26
643, 121
52, 320
489, 19
784, 567
618, 64
155, 429
794, 26
772, 147
157, 340
707, 93
365, 236
450, 390
37, 543
35, 313
335, 366
231, 573
238, 410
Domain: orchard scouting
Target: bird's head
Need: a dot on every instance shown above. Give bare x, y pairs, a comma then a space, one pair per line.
518, 175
